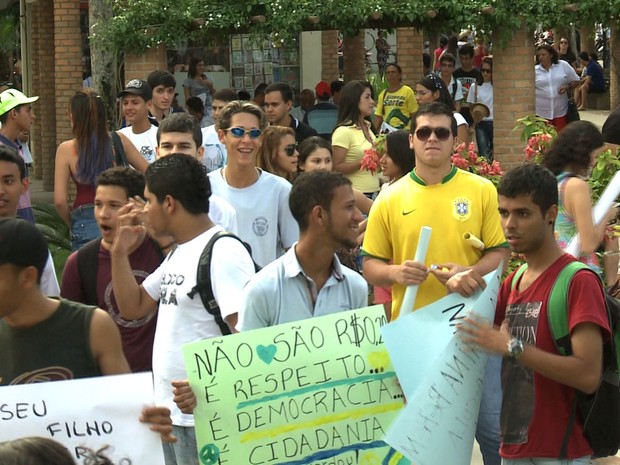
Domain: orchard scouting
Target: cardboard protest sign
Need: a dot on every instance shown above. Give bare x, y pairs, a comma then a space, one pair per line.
443, 391
318, 391
83, 414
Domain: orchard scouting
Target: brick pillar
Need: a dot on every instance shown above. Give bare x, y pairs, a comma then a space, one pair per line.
586, 39
329, 51
614, 75
67, 61
38, 30
513, 94
139, 66
410, 46
44, 74
354, 55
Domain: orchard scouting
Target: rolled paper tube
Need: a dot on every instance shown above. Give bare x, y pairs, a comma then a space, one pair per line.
473, 241
420, 255
605, 201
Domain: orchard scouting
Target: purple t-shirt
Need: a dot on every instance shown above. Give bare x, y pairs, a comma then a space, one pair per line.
137, 335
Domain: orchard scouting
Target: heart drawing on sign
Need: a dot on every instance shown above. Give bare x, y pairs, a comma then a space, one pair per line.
266, 353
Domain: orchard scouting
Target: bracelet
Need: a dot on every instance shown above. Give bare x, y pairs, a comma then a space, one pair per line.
164, 247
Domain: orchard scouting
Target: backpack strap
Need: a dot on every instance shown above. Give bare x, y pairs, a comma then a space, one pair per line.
454, 87
557, 316
203, 281
557, 306
517, 275
87, 263
120, 157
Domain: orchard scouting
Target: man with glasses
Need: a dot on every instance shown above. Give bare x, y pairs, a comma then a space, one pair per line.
447, 63
264, 219
452, 202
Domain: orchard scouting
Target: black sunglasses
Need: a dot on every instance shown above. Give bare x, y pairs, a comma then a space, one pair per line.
425, 132
486, 70
290, 150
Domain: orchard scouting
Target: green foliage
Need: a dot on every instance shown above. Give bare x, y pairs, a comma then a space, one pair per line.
533, 125
379, 84
140, 24
56, 233
607, 164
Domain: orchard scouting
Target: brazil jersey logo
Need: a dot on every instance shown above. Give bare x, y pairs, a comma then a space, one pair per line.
462, 210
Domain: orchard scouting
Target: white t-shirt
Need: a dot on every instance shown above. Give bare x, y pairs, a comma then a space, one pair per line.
215, 152
455, 93
485, 95
182, 320
222, 212
145, 141
550, 103
264, 218
49, 281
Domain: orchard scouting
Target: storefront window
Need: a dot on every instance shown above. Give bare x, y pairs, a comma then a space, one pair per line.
240, 64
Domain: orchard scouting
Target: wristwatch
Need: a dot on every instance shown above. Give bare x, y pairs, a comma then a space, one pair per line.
515, 348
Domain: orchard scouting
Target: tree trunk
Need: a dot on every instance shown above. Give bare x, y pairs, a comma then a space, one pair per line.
614, 75
354, 55
586, 35
103, 61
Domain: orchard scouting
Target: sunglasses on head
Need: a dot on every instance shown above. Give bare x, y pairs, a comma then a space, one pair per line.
425, 132
290, 150
239, 133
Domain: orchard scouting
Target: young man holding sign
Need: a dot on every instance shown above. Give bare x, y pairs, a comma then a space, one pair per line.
309, 280
453, 203
177, 204
43, 339
539, 424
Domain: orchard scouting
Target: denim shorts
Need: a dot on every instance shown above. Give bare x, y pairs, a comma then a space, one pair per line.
83, 226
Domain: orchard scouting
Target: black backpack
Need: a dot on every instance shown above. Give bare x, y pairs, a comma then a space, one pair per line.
87, 264
203, 279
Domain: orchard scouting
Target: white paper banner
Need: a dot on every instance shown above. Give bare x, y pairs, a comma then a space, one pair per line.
92, 413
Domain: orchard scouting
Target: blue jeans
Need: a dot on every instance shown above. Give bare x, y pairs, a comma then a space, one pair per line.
487, 429
184, 451
26, 214
83, 226
484, 137
537, 461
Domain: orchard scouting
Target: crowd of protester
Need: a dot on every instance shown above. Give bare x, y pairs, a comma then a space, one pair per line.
326, 232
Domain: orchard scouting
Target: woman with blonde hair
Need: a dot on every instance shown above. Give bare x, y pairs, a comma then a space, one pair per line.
92, 150
278, 153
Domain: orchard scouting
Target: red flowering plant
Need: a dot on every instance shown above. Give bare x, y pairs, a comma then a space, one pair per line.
372, 156
466, 158
538, 135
